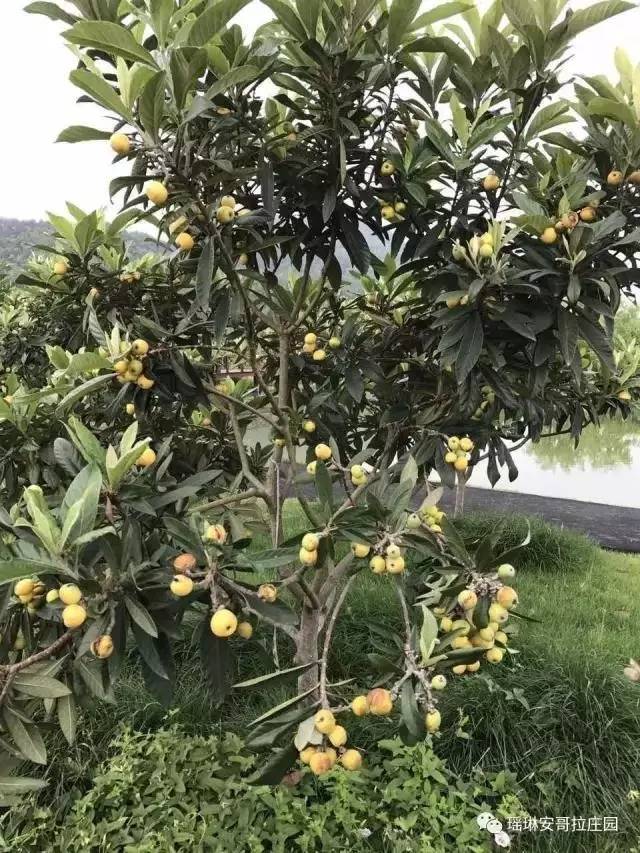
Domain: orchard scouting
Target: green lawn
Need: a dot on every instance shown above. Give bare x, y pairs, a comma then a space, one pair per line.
559, 713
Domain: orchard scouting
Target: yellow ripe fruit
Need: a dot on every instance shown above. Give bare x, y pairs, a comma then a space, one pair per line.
494, 655
140, 347
225, 214
267, 592
334, 342
378, 564
487, 634
25, 587
156, 192
395, 565
223, 623
491, 183
184, 563
310, 542
319, 355
216, 533
549, 235
311, 467
25, 599
460, 669
245, 630
52, 596
228, 201
615, 178
121, 367
461, 464
130, 408
279, 442
466, 444
120, 143
145, 382
624, 396
587, 214
634, 177
432, 721
478, 643
243, 259
357, 472
307, 753
310, 338
473, 667
380, 702
494, 626
507, 597
351, 759
308, 348
70, 593
438, 682
135, 367
102, 647
308, 558
185, 242
387, 168
446, 624
130, 376
320, 762
360, 706
146, 458
453, 443
460, 642
497, 613
323, 452
181, 585
60, 268
309, 426
392, 550
360, 550
324, 721
400, 207
452, 301
467, 599
501, 637
486, 250
461, 625
388, 212
8, 399
450, 457
73, 615
338, 736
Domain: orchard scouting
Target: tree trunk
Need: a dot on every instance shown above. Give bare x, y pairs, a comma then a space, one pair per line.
308, 647
460, 487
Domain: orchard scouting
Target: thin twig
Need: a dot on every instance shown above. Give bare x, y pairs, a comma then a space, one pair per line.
324, 702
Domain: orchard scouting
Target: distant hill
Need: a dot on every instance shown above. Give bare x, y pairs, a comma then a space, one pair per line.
19, 236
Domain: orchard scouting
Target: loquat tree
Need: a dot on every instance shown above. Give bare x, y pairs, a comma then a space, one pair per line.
398, 250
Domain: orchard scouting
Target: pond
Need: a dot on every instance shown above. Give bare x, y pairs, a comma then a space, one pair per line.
604, 468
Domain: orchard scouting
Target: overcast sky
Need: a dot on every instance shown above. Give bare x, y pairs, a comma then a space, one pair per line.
38, 102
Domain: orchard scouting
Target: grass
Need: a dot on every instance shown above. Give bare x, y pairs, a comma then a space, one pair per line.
559, 714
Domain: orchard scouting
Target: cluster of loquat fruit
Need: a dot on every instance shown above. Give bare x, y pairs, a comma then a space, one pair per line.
568, 221
458, 452
392, 210
322, 758
131, 367
69, 598
318, 353
458, 617
428, 515
323, 453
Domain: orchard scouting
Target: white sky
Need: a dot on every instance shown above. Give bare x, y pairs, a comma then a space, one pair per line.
38, 102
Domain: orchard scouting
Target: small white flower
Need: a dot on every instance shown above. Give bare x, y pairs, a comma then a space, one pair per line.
502, 839
494, 826
483, 819
365, 833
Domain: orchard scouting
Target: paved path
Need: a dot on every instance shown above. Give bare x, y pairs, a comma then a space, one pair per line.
613, 527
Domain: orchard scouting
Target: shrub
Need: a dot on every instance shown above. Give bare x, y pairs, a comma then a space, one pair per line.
169, 791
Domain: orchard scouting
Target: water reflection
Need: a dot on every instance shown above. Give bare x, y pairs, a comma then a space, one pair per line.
601, 447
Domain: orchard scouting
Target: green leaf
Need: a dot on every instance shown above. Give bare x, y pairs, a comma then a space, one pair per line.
151, 104
428, 633
83, 390
86, 442
110, 38
42, 686
91, 674
567, 334
233, 78
274, 769
401, 16
84, 362
101, 92
10, 785
288, 18
26, 737
140, 616
324, 486
470, 347
17, 567
116, 472
66, 708
438, 13
272, 676
81, 133
613, 110
583, 19
217, 659
51, 10
210, 22
460, 120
